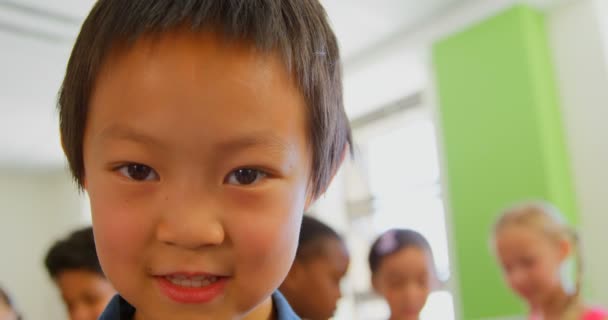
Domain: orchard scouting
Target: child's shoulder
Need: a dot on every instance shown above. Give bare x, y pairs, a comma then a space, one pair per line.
282, 307
119, 309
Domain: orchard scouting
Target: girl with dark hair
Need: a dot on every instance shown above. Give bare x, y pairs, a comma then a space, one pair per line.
403, 272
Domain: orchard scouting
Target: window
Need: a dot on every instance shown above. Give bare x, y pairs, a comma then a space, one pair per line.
394, 182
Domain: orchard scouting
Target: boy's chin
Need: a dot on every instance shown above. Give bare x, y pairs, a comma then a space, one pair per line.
220, 308
159, 314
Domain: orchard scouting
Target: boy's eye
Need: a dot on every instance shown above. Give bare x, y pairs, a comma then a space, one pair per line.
245, 176
138, 172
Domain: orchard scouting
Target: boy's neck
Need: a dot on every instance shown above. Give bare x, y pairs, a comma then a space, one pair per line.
395, 318
264, 311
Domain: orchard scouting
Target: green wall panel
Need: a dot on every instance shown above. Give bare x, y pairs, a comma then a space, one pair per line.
503, 142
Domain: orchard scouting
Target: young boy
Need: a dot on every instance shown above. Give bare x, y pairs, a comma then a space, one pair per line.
201, 130
312, 286
72, 263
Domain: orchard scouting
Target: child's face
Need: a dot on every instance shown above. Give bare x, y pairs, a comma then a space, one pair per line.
197, 165
84, 293
530, 262
315, 284
404, 279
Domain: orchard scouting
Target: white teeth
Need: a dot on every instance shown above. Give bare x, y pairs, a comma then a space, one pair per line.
193, 282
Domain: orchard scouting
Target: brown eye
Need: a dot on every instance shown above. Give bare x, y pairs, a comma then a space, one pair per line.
138, 172
245, 176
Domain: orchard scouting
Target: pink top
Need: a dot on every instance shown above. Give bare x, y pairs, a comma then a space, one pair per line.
595, 314
590, 314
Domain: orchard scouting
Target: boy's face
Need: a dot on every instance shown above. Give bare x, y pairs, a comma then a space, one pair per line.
197, 165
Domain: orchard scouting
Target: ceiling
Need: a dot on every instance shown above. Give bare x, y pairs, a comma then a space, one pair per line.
36, 37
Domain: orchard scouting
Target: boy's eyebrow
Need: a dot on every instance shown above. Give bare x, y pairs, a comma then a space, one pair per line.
121, 132
268, 140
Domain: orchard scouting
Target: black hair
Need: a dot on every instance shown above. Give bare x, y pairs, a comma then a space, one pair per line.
297, 29
76, 252
394, 240
313, 234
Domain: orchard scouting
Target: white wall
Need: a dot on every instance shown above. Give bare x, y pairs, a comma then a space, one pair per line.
578, 45
601, 8
36, 208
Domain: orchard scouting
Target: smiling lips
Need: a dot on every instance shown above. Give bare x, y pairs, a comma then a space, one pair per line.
192, 288
191, 282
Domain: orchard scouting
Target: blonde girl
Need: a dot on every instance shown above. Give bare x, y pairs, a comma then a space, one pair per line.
533, 244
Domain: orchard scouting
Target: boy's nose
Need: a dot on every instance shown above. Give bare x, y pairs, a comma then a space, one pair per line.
191, 225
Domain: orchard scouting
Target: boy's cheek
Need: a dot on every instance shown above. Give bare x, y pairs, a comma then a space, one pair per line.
268, 231
118, 226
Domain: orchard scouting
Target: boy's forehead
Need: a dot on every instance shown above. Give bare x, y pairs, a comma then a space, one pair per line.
182, 46
269, 140
193, 61
185, 68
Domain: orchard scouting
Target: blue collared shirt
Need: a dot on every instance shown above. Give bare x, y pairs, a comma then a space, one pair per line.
120, 309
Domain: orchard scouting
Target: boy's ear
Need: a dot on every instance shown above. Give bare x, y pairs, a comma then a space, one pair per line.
339, 165
310, 199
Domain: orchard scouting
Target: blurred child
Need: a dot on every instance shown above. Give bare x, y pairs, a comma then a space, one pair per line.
201, 131
72, 263
321, 263
7, 310
532, 243
403, 272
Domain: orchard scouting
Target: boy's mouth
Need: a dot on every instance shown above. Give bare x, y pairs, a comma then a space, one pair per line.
192, 288
191, 281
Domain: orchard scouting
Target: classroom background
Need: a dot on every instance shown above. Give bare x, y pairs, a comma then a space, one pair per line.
458, 108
